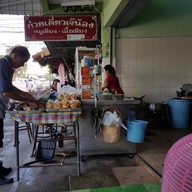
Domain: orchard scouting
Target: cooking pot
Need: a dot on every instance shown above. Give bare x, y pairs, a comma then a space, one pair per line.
155, 107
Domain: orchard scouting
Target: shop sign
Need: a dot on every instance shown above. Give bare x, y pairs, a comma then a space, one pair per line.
64, 28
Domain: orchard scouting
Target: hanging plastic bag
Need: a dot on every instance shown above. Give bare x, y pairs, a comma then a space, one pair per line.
111, 127
112, 118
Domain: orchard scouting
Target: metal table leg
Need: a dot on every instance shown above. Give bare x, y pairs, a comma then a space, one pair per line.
17, 148
78, 148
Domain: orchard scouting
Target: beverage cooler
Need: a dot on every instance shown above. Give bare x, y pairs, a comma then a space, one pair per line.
87, 72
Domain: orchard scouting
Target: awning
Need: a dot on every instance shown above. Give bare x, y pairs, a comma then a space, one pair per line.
44, 58
41, 54
66, 49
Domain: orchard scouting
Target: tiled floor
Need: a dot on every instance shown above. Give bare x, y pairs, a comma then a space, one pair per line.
97, 171
155, 147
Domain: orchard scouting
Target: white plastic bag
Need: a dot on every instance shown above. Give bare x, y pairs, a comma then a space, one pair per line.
112, 118
66, 89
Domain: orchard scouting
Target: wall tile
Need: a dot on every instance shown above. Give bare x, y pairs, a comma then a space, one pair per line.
156, 67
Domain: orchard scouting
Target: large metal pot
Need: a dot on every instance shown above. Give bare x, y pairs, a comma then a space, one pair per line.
155, 107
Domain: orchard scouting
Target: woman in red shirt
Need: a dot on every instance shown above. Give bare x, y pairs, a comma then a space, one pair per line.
111, 81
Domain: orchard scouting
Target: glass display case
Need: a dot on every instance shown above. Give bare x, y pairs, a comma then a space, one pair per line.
87, 72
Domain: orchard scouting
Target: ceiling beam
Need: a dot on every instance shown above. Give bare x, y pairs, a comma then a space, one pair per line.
11, 3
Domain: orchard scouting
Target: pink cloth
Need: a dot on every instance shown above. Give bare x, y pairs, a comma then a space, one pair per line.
61, 72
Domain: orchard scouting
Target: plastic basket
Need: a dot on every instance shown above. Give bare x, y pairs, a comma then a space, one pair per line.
46, 149
177, 170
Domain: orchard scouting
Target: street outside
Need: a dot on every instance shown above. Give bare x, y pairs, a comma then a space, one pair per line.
26, 84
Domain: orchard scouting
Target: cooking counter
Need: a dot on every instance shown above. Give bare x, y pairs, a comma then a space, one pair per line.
111, 102
93, 144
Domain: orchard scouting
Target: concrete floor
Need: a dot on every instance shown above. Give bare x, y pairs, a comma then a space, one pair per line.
97, 171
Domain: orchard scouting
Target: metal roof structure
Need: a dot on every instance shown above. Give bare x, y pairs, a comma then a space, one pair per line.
21, 7
67, 48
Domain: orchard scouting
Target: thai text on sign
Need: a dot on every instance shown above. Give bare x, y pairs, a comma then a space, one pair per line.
69, 28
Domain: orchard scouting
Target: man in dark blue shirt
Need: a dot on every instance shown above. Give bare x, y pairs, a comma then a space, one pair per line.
17, 58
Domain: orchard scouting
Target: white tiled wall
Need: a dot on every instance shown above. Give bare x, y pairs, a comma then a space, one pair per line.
155, 67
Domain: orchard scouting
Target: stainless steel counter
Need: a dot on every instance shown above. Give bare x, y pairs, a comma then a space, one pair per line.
111, 102
91, 144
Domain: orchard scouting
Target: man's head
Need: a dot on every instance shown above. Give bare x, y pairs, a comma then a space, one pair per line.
19, 56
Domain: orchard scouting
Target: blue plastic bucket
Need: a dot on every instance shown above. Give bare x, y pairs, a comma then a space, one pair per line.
136, 130
179, 113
